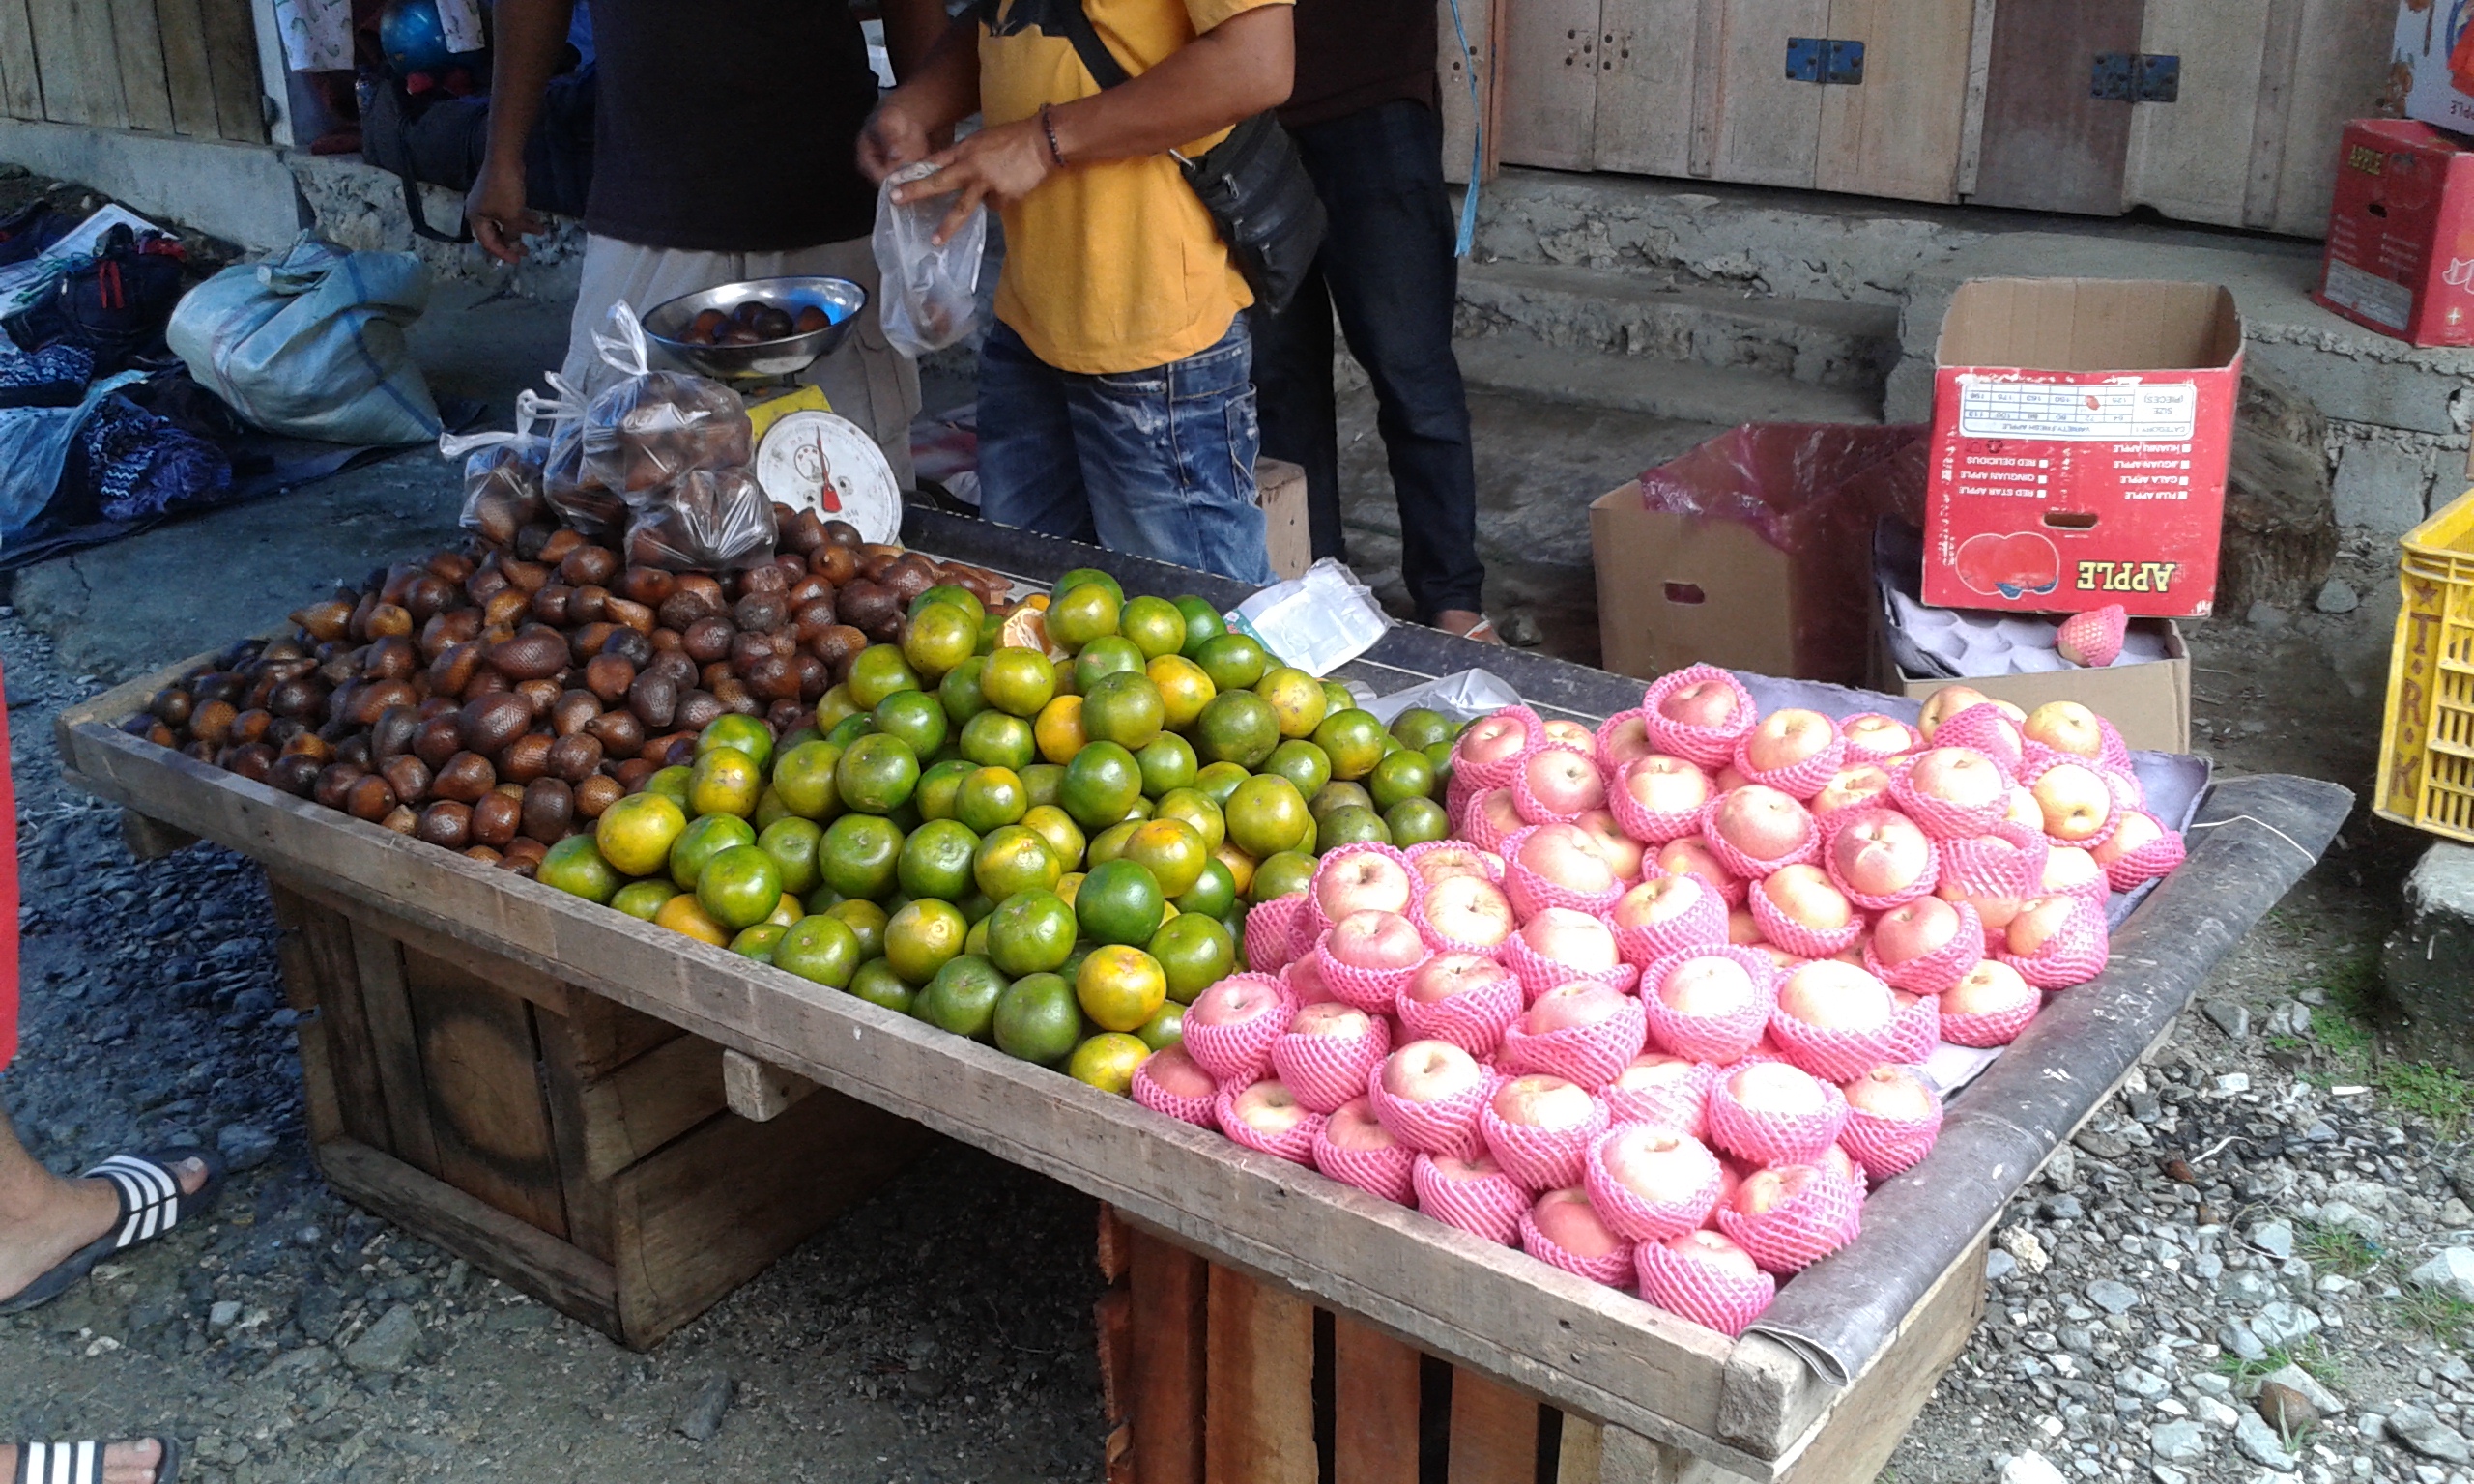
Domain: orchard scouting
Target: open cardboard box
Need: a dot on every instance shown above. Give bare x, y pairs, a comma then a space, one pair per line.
2149, 705
1279, 489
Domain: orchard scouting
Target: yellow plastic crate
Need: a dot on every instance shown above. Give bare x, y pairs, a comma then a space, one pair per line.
2427, 743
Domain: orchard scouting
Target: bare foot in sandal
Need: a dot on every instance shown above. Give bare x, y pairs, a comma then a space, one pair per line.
1465, 623
46, 1221
141, 1462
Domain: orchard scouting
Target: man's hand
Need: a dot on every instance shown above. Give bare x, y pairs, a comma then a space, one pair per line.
891, 140
499, 218
998, 166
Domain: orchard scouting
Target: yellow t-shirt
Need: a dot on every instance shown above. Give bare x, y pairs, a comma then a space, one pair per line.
1115, 266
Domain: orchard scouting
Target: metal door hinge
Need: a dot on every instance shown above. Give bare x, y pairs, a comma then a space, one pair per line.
1822, 60
2136, 78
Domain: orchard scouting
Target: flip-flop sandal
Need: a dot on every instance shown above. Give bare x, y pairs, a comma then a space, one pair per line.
82, 1463
1483, 632
151, 1204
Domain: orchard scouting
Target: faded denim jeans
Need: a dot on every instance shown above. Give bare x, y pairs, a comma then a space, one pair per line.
1156, 462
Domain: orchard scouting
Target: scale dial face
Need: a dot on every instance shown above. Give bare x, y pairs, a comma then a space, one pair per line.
827, 463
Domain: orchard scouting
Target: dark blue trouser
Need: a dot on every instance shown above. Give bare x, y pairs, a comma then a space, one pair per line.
1386, 267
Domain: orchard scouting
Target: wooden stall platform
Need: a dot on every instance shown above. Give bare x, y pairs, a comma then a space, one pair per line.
545, 1085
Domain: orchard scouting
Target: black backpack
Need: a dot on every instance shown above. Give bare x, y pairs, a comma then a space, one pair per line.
114, 305
439, 140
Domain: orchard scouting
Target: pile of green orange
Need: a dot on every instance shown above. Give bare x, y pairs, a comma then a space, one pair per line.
1050, 853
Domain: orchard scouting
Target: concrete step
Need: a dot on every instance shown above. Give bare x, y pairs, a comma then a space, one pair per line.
1521, 366
1828, 343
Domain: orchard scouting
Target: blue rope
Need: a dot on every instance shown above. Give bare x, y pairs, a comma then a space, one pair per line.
1477, 138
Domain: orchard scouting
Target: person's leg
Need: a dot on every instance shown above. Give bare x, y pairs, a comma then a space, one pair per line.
45, 1219
1029, 475
867, 380
1293, 392
1169, 457
1388, 259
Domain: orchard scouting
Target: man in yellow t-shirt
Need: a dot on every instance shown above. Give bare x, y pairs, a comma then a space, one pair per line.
1116, 403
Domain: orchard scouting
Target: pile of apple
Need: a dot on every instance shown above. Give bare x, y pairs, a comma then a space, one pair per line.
1657, 1013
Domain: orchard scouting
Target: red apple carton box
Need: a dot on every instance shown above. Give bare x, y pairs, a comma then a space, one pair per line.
2081, 429
2399, 256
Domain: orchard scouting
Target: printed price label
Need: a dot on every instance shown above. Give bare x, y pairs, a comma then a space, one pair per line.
2143, 412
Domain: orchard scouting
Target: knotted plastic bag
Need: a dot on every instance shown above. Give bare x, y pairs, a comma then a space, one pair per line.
503, 472
931, 292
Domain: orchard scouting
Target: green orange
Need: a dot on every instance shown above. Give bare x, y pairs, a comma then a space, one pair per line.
876, 774
959, 691
683, 914
1037, 1020
1353, 739
1302, 764
1123, 708
923, 937
858, 855
1194, 952
793, 843
1017, 681
1032, 932
1172, 851
1213, 894
1217, 781
994, 739
644, 900
1414, 821
635, 833
877, 672
938, 637
821, 949
1101, 782
739, 887
744, 732
1196, 809
963, 997
1119, 901
1236, 725
724, 781
1267, 815
758, 942
1338, 796
936, 860
1154, 625
990, 798
1107, 1062
1351, 826
1065, 839
1421, 727
1102, 657
877, 983
803, 777
1168, 764
575, 866
1058, 730
917, 717
1203, 624
702, 841
866, 921
1015, 859
671, 783
1183, 690
1405, 775
1041, 781
1281, 874
1120, 987
1233, 661
1084, 612
1165, 1029
939, 785
1296, 698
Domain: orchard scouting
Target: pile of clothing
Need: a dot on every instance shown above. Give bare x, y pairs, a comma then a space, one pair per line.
98, 420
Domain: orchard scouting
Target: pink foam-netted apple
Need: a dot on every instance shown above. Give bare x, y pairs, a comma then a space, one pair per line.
1562, 731
1766, 1112
1355, 1149
1989, 1006
1272, 936
1229, 1028
1559, 944
1361, 877
1692, 856
1659, 1088
1835, 1021
1893, 1115
1858, 786
1328, 1050
2071, 871
1562, 1230
1539, 1125
1650, 1181
1472, 1192
1794, 750
1622, 738
2077, 806
1436, 861
1790, 1216
1987, 730
1707, 1277
1427, 1092
1623, 854
1368, 956
1756, 829
2066, 727
1880, 859
1801, 910
1488, 749
1558, 866
1266, 1117
1170, 1081
1557, 782
1946, 702
1494, 818
1466, 999
1583, 1031
1872, 737
1304, 978
1925, 946
1657, 797
1465, 914
2055, 942
2139, 850
1952, 792
1707, 1004
1665, 914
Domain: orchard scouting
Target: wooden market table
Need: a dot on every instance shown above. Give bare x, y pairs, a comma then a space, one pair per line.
537, 1084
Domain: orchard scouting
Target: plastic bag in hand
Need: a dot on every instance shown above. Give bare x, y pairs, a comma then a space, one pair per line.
648, 428
503, 472
706, 520
930, 292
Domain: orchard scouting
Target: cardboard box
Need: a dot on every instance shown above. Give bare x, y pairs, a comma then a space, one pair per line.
2081, 429
2149, 705
2399, 256
2430, 72
1279, 489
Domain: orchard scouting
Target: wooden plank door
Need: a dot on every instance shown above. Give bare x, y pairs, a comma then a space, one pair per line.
1645, 79
1768, 126
145, 95
188, 72
1461, 116
2191, 158
2048, 143
1898, 133
232, 57
1548, 106
2339, 70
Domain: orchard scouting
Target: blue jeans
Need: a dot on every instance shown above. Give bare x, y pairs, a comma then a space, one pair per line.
1156, 462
